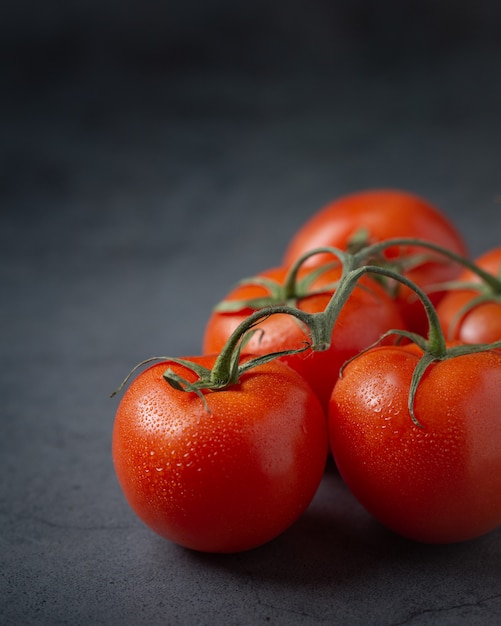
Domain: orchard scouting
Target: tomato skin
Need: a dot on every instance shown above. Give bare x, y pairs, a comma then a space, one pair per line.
352, 332
436, 484
385, 213
225, 481
481, 324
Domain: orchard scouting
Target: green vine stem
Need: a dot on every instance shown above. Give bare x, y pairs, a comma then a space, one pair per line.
228, 367
225, 373
436, 340
434, 347
294, 288
288, 293
375, 250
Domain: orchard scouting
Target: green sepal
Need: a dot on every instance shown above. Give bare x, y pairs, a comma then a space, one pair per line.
134, 370
428, 358
459, 285
275, 296
278, 294
471, 348
255, 304
261, 281
181, 384
303, 285
266, 358
413, 337
200, 370
424, 362
359, 240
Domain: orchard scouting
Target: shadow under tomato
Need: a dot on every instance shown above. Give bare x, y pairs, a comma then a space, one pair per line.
334, 540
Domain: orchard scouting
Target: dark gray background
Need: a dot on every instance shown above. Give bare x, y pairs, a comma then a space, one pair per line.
151, 155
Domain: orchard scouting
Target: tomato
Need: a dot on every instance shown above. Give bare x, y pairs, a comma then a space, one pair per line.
386, 214
226, 480
482, 322
439, 483
367, 314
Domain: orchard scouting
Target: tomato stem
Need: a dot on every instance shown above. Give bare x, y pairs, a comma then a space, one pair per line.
320, 325
223, 374
227, 367
434, 347
374, 250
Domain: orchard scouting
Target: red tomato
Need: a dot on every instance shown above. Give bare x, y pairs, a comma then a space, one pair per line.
367, 314
226, 480
386, 214
482, 323
440, 483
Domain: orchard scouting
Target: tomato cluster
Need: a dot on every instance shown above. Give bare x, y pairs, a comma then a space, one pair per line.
377, 340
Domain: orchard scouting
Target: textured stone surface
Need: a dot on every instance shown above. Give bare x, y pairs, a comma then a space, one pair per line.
136, 189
